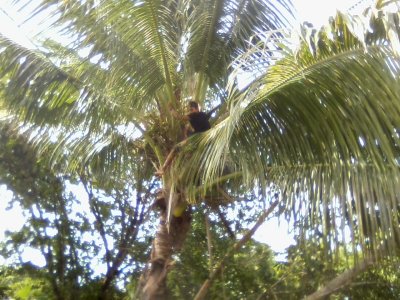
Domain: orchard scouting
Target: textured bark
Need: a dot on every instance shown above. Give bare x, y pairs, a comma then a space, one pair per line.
168, 240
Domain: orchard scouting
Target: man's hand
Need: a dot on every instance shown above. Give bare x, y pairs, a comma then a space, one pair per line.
175, 114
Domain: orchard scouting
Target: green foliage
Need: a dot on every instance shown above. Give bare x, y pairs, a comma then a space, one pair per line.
381, 282
306, 270
24, 283
245, 276
74, 236
321, 124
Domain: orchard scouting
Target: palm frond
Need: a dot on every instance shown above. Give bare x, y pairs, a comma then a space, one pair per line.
68, 87
323, 124
82, 125
152, 33
123, 40
219, 31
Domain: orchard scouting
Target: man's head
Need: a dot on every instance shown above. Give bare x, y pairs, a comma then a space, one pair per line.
193, 106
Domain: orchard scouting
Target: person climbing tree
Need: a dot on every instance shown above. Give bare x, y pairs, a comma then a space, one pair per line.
198, 122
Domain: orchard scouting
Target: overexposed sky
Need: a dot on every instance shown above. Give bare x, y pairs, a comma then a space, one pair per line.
318, 11
313, 11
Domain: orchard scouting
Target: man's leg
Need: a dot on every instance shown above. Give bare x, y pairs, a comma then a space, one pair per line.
169, 159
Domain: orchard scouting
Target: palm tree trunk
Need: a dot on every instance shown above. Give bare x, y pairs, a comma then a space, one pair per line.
168, 239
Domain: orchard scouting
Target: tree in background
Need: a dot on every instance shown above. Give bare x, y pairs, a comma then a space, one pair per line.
306, 270
320, 123
246, 275
74, 236
24, 283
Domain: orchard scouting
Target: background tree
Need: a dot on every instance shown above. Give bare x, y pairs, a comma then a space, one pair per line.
76, 237
247, 272
23, 283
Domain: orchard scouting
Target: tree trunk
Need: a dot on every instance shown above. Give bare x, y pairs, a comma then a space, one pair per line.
168, 239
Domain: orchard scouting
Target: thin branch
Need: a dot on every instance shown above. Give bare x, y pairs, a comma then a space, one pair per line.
206, 285
96, 212
209, 241
226, 224
126, 239
47, 255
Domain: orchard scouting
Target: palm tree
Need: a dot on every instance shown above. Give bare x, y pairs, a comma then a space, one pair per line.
320, 125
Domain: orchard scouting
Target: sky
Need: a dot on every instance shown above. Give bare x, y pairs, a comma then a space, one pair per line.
318, 11
273, 232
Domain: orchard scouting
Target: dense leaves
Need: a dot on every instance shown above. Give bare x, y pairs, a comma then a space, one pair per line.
85, 231
322, 125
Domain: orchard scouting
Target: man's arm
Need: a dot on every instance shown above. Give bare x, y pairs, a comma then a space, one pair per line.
176, 115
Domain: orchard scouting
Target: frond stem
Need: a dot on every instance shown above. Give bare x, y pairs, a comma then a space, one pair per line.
210, 35
163, 54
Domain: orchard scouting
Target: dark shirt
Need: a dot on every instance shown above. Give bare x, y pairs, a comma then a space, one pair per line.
199, 121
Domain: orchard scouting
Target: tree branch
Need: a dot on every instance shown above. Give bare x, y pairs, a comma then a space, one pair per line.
209, 242
342, 280
226, 224
100, 225
206, 285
